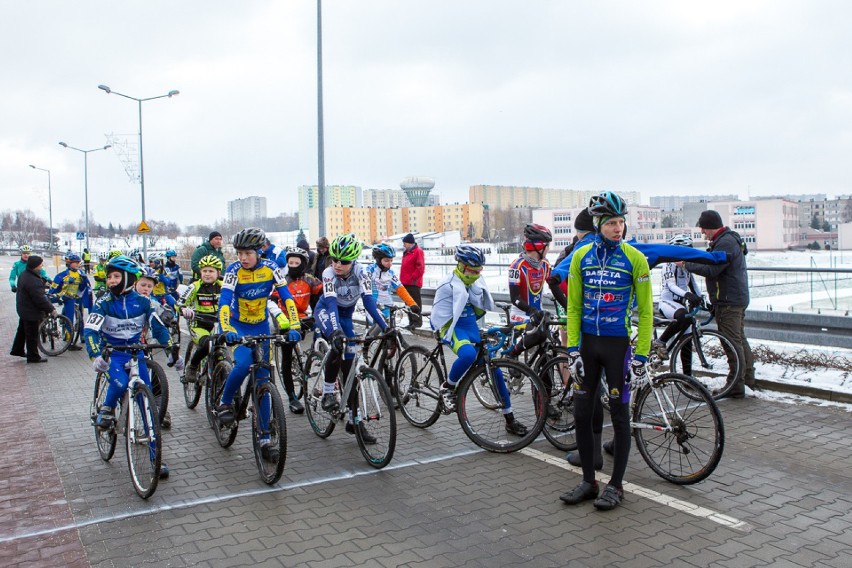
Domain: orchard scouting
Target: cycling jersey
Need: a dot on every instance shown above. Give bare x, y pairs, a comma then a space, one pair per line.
173, 276
384, 283
339, 296
120, 321
301, 289
100, 276
526, 285
70, 284
676, 283
245, 291
203, 298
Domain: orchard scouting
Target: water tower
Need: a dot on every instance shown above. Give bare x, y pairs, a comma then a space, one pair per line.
417, 189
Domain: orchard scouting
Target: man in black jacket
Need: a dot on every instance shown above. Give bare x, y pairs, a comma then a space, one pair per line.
727, 287
32, 305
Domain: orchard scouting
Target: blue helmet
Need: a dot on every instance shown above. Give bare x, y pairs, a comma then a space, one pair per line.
130, 271
607, 204
72, 257
170, 253
148, 272
470, 256
383, 250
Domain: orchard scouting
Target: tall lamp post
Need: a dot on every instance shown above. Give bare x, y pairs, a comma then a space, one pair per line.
85, 180
170, 94
320, 139
49, 206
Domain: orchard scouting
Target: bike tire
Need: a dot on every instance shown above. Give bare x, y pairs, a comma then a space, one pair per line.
418, 379
486, 427
226, 435
715, 362
105, 439
691, 450
52, 340
266, 393
561, 431
144, 444
376, 415
159, 386
192, 391
322, 422
552, 352
78, 326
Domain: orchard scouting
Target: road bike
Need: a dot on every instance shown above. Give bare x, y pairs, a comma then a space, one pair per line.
364, 398
137, 419
382, 350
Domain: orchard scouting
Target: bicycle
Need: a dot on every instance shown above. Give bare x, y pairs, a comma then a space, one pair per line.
299, 360
420, 374
256, 399
53, 338
382, 350
192, 391
374, 412
139, 425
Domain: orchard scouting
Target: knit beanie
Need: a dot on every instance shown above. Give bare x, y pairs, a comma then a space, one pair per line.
34, 262
213, 235
583, 222
409, 238
710, 219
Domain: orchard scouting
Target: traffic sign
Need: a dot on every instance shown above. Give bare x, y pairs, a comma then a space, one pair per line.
143, 228
81, 236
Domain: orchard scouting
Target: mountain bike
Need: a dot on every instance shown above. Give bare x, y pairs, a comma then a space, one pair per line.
192, 391
258, 398
53, 338
363, 393
420, 374
137, 419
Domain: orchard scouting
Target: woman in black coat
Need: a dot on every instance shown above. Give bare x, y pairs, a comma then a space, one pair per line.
32, 304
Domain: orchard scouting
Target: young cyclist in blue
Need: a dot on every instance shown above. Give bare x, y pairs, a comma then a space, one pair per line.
71, 287
118, 318
344, 283
246, 286
460, 301
173, 275
385, 282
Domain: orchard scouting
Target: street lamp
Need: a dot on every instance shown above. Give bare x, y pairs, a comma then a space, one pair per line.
85, 181
170, 94
49, 206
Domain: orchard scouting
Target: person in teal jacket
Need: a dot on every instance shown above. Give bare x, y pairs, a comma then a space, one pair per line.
21, 265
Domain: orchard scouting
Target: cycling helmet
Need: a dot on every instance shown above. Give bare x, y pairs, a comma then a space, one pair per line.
210, 261
607, 204
470, 256
170, 253
130, 271
537, 233
25, 249
155, 257
72, 257
114, 253
297, 251
148, 272
103, 256
383, 250
682, 240
249, 239
345, 247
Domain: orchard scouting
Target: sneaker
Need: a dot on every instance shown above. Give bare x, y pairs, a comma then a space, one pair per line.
225, 413
296, 406
516, 428
191, 375
329, 402
166, 422
448, 396
609, 499
365, 435
609, 447
164, 470
269, 452
583, 492
660, 349
105, 419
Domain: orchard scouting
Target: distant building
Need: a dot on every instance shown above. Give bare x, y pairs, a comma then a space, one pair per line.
676, 202
831, 211
247, 210
335, 196
509, 197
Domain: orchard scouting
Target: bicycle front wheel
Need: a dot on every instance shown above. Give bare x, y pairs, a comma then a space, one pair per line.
225, 435
54, 336
144, 444
418, 382
528, 399
711, 359
159, 386
270, 443
105, 439
680, 436
375, 419
559, 429
321, 422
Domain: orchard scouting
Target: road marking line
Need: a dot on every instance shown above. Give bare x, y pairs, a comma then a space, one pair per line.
657, 497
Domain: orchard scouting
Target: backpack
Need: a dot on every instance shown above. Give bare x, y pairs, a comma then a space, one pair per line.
739, 240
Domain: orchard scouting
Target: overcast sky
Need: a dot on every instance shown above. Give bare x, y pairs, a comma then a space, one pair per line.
657, 97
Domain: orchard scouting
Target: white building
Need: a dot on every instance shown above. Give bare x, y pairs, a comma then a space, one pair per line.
247, 209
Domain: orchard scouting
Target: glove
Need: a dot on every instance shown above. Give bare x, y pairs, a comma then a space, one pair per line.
554, 280
536, 316
14, 289
415, 309
232, 337
692, 299
636, 371
187, 313
338, 340
294, 336
577, 365
100, 364
283, 322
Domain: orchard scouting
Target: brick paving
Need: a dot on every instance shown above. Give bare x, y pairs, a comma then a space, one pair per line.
442, 502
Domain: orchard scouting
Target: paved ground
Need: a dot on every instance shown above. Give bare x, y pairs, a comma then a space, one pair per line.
781, 496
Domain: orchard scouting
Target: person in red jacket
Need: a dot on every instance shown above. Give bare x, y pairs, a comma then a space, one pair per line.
411, 276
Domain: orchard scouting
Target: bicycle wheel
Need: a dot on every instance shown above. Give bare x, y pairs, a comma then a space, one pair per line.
159, 386
53, 336
559, 430
78, 325
711, 360
549, 354
105, 439
321, 421
418, 382
376, 416
227, 434
267, 399
144, 444
680, 438
486, 427
192, 391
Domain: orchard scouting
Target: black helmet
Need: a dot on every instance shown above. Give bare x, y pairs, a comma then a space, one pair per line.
298, 252
249, 239
537, 233
607, 204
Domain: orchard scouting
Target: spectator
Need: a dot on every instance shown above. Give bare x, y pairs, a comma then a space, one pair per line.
320, 260
303, 244
411, 276
32, 304
87, 260
727, 287
213, 246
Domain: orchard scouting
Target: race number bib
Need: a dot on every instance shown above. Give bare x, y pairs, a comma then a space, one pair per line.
94, 321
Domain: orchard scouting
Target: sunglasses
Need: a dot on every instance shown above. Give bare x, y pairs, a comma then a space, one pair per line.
471, 269
338, 261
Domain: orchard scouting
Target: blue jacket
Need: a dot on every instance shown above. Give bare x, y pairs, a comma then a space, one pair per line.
121, 320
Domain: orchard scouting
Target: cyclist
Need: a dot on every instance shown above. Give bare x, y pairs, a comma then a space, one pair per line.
202, 297
71, 288
606, 277
679, 294
303, 286
344, 282
21, 265
385, 281
119, 319
114, 253
246, 287
160, 291
100, 274
460, 301
172, 275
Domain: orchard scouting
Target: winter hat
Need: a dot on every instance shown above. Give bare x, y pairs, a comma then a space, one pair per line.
409, 238
34, 262
303, 244
322, 242
710, 219
583, 222
213, 235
